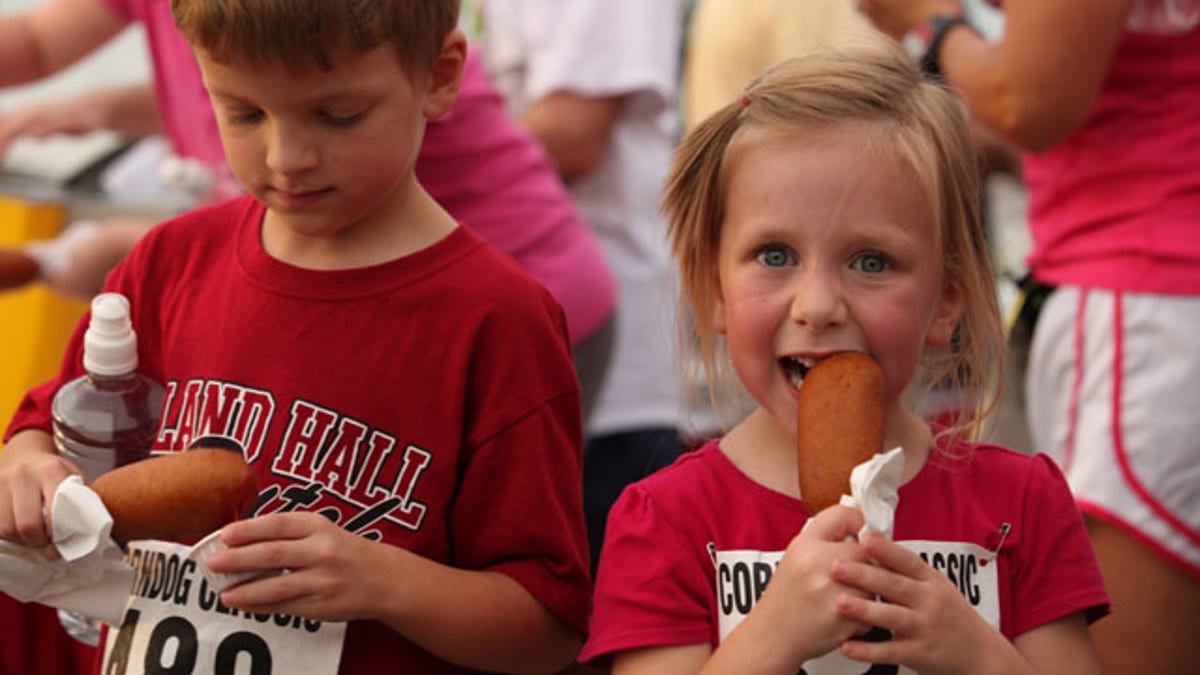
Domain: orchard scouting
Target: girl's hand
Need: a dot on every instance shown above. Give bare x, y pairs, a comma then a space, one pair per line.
934, 629
797, 618
30, 472
328, 569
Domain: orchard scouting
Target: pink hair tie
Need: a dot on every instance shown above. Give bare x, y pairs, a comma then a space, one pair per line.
743, 101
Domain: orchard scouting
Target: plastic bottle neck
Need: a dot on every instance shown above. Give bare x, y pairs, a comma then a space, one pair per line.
117, 382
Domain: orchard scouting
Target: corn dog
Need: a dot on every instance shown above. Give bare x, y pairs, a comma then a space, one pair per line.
178, 497
16, 269
839, 425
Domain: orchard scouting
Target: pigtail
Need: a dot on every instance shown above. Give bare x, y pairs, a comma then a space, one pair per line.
694, 205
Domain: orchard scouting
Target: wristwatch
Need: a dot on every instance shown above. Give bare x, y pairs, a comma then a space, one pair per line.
924, 43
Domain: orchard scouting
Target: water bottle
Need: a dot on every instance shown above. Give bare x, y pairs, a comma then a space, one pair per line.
107, 417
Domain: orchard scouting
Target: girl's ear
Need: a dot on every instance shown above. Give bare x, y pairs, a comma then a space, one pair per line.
719, 323
946, 317
446, 75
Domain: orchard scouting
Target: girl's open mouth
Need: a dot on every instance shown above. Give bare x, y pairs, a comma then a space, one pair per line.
796, 368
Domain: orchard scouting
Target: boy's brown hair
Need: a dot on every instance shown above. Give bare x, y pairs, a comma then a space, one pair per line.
304, 33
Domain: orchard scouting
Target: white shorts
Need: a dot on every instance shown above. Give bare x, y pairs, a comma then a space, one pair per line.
1113, 395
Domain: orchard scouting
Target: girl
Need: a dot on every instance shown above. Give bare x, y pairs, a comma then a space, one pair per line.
831, 208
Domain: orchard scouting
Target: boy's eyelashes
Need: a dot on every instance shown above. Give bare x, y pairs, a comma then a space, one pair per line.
324, 116
341, 120
244, 117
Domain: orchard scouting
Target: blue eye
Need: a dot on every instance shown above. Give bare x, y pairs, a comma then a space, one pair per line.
774, 255
872, 263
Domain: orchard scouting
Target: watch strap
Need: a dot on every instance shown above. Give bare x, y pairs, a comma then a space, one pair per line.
924, 43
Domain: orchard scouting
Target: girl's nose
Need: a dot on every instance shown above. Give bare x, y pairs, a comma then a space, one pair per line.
818, 301
289, 152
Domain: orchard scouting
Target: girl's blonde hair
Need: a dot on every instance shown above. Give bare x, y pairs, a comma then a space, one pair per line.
928, 127
304, 33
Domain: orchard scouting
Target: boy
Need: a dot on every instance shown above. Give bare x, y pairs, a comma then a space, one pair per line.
405, 393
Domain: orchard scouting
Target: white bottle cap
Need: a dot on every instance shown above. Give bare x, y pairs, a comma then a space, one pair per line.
110, 345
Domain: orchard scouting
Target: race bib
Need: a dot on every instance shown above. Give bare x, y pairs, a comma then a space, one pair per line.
971, 568
174, 624
742, 576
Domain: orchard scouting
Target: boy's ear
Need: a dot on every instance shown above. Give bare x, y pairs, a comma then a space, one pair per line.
446, 74
946, 317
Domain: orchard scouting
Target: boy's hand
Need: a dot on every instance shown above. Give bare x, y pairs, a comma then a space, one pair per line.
30, 472
327, 567
481, 620
934, 629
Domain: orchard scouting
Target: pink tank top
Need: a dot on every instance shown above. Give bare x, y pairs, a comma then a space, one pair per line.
1117, 204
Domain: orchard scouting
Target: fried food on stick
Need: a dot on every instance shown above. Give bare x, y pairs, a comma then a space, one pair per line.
839, 425
178, 497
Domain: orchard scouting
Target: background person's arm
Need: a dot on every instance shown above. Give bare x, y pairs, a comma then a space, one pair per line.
52, 36
573, 129
1037, 84
131, 111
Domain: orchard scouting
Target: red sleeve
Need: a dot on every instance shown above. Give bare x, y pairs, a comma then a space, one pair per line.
648, 591
518, 507
520, 510
1058, 574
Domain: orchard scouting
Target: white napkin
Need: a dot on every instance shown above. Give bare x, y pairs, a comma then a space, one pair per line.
92, 578
874, 486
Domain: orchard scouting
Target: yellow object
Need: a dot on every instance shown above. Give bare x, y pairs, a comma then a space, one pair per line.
35, 322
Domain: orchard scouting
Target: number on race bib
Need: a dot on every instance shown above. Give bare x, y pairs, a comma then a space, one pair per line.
243, 643
176, 632
176, 636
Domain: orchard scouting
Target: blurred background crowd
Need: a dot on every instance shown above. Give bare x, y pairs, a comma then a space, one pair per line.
1088, 128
